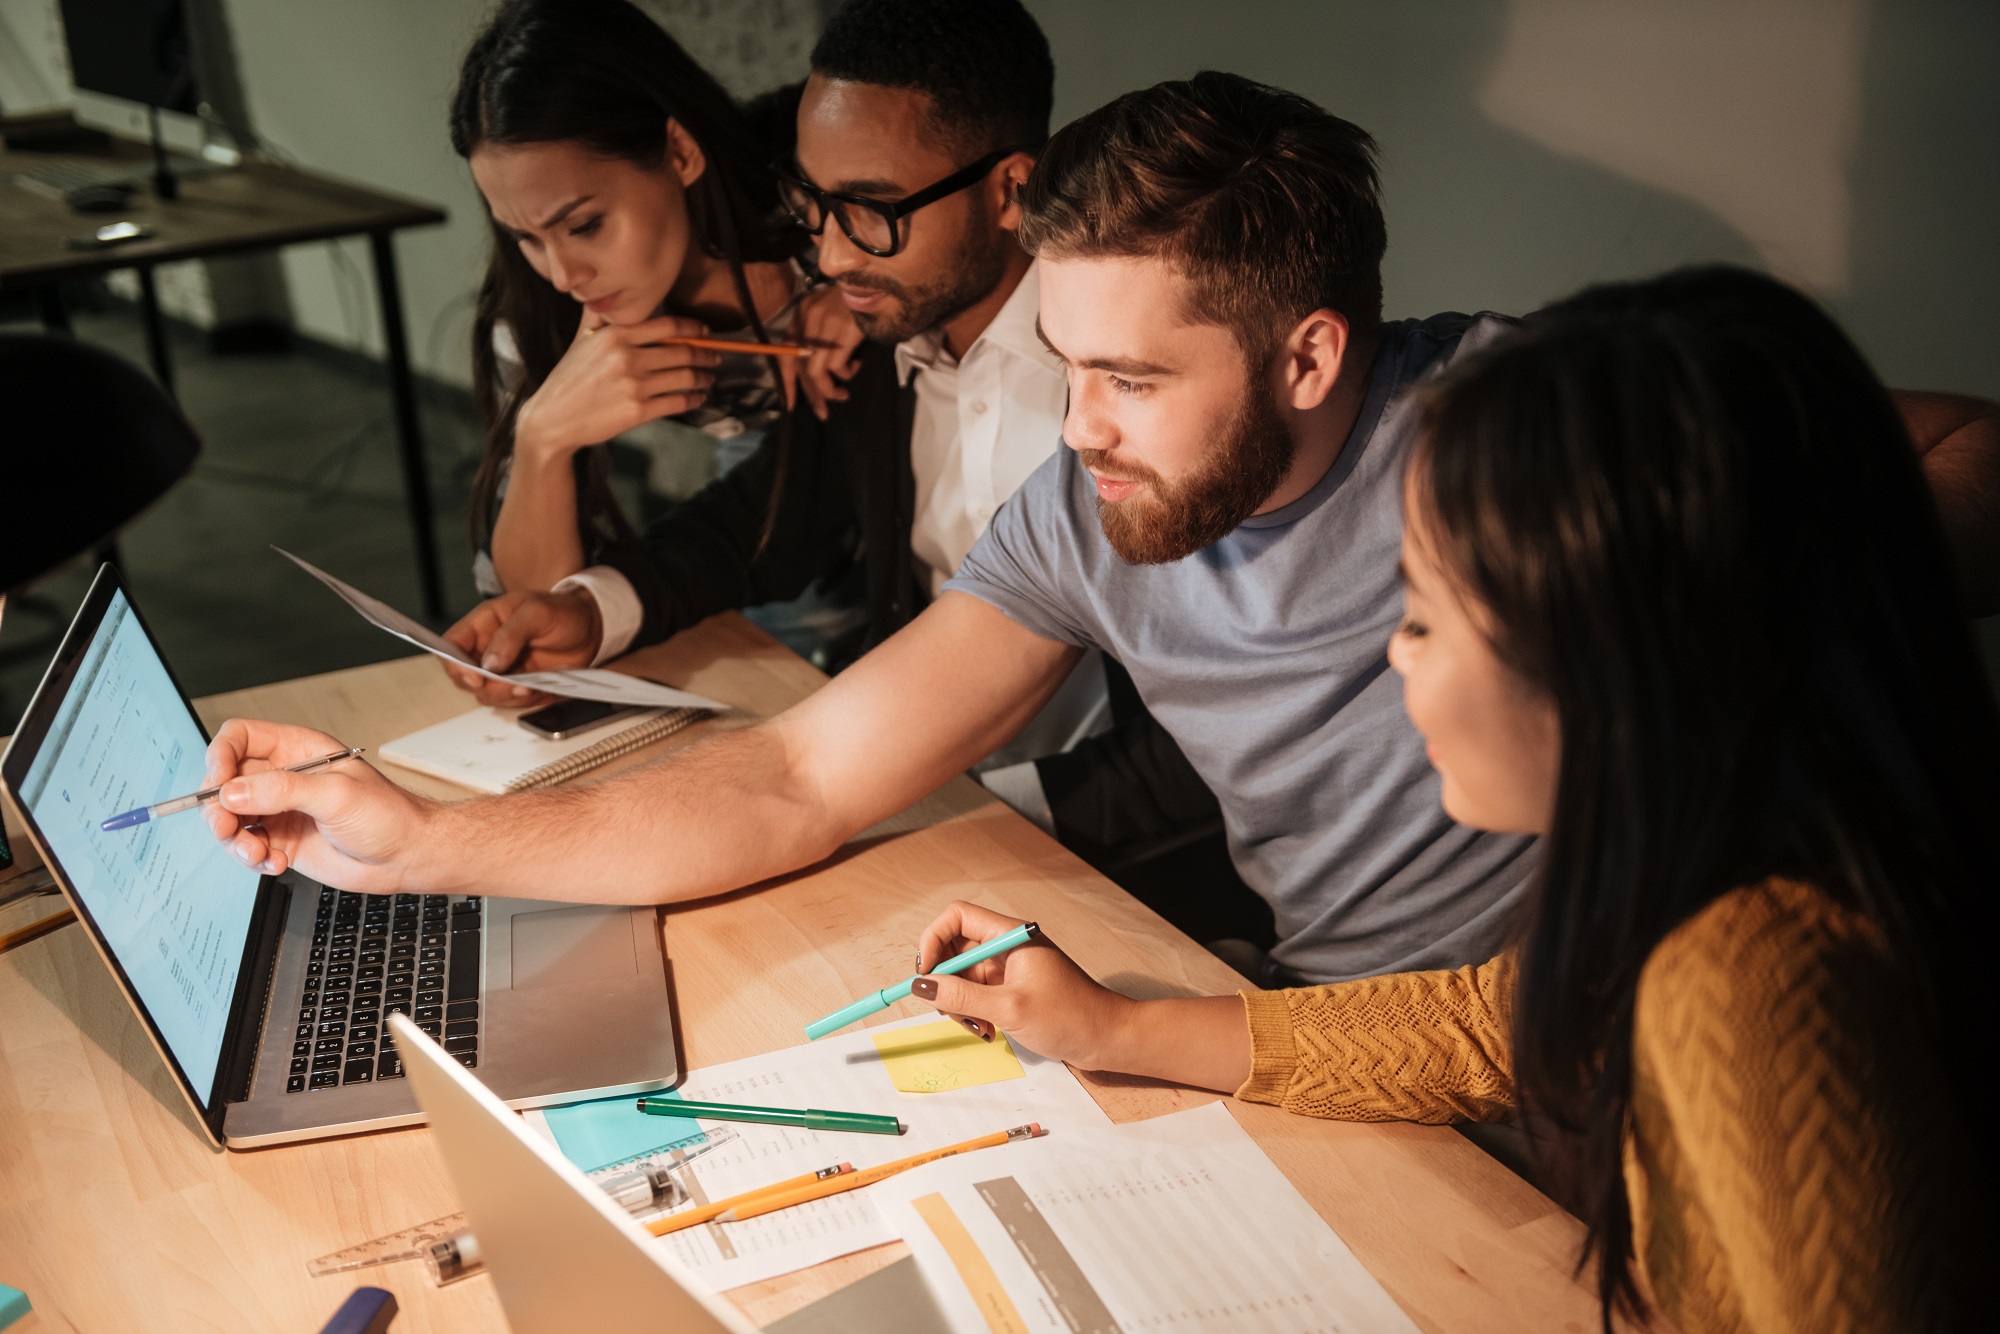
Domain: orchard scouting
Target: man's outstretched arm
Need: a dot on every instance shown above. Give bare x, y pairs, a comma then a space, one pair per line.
1958, 440
727, 812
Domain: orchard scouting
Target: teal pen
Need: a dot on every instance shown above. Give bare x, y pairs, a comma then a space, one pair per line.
888, 996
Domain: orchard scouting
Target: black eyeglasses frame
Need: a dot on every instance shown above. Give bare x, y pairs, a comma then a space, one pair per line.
891, 212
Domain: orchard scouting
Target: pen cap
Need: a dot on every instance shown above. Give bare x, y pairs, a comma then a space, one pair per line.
366, 1311
855, 1122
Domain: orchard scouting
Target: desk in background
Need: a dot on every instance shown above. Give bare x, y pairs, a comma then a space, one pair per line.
114, 1216
256, 206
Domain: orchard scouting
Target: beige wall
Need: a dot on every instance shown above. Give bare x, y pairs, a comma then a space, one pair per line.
1529, 146
1532, 146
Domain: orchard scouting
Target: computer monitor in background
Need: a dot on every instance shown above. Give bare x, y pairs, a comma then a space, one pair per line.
134, 49
139, 51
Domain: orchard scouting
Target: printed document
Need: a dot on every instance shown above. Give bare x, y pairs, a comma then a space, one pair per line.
577, 683
844, 1073
1176, 1223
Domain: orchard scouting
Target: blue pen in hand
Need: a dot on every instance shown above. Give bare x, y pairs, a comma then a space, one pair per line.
175, 805
888, 996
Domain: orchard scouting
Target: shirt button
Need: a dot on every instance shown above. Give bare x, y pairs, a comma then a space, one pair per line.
979, 405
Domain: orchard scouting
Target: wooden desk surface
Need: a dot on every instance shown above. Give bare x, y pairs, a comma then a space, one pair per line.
113, 1214
250, 207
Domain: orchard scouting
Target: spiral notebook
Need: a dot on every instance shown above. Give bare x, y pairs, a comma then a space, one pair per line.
488, 750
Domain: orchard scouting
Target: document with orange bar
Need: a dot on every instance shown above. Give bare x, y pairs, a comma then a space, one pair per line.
1176, 1223
963, 1093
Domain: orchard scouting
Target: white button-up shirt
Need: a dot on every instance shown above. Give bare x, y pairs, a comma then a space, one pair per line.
983, 423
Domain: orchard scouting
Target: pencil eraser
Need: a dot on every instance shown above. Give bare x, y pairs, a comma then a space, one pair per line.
13, 1305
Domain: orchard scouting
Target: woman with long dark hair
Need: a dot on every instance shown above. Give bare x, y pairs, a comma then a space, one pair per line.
1679, 602
631, 204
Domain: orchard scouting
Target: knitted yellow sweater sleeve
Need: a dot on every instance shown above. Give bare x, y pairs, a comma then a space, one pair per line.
1792, 1153
1407, 1047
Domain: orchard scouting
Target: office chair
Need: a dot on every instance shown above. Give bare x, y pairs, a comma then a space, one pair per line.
92, 442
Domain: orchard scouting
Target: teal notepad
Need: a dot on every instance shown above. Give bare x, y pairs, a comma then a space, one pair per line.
609, 1131
13, 1305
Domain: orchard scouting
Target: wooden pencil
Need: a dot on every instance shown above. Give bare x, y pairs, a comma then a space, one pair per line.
868, 1176
36, 930
729, 345
660, 1227
786, 1194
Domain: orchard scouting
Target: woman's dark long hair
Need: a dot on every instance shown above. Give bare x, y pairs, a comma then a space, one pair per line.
602, 75
1699, 524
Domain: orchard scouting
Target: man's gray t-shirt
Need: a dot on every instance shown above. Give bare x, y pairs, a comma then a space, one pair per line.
1265, 657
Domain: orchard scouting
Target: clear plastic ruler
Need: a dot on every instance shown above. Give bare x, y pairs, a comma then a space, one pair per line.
627, 1182
408, 1244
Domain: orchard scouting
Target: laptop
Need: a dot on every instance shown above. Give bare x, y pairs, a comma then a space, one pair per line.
562, 1255
266, 995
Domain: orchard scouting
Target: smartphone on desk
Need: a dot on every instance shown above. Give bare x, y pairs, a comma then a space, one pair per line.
113, 234
570, 717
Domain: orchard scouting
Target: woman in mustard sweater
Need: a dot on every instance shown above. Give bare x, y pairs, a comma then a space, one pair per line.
1677, 601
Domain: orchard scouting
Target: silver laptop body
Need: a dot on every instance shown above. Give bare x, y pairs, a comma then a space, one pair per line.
268, 996
563, 1257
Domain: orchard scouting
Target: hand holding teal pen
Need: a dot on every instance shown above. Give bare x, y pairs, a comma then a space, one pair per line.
888, 996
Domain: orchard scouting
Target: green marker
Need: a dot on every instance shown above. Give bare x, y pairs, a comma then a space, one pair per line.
887, 996
860, 1122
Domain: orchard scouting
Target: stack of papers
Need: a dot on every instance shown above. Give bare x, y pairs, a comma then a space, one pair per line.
1180, 1222
967, 1088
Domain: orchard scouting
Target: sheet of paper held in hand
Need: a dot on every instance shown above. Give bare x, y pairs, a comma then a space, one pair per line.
581, 683
1177, 1223
979, 1092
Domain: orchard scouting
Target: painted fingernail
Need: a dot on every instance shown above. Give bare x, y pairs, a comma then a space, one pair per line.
924, 988
920, 963
986, 1037
971, 1027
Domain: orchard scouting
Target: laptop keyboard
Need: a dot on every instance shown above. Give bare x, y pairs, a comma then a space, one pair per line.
374, 955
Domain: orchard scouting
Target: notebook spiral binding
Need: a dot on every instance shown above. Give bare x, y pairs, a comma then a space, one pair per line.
618, 743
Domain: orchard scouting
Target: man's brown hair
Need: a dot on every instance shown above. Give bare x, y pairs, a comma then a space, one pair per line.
1266, 202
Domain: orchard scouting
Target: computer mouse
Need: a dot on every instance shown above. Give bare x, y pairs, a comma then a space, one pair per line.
99, 198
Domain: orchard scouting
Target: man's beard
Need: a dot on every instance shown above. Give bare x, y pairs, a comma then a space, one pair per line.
977, 268
1163, 522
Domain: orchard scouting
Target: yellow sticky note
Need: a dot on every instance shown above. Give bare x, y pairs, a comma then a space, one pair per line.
940, 1057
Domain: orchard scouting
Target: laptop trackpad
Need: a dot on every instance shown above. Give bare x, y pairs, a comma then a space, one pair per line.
557, 946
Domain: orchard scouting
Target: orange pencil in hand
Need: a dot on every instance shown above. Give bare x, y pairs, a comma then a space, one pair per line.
730, 345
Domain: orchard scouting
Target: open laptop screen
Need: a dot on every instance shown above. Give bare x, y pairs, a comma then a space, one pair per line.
172, 905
